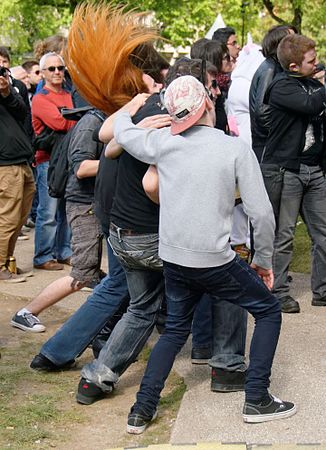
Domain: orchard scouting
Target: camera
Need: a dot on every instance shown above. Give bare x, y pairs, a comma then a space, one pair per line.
3, 71
320, 67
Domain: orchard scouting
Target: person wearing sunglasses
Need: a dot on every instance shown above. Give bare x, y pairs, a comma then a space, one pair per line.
52, 234
34, 73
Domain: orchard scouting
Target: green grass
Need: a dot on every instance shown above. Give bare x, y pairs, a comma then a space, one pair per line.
31, 404
301, 260
36, 410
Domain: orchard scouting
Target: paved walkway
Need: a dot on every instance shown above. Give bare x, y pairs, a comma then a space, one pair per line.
299, 375
219, 446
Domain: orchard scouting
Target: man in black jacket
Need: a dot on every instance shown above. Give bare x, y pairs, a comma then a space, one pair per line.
16, 178
264, 75
296, 144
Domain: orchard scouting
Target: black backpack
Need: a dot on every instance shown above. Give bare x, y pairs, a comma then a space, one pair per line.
58, 165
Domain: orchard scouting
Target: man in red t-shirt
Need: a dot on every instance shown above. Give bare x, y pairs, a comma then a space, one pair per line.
52, 234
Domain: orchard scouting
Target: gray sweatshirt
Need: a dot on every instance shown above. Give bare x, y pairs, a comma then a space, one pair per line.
198, 172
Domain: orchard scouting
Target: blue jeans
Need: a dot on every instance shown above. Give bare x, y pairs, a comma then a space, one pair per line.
202, 326
143, 268
234, 282
229, 343
82, 327
52, 233
305, 193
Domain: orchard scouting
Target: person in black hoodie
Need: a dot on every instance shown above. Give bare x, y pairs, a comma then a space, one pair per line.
296, 145
16, 179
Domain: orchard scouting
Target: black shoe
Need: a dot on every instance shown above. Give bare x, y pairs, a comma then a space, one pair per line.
270, 409
201, 355
289, 305
226, 381
319, 301
89, 392
42, 363
138, 421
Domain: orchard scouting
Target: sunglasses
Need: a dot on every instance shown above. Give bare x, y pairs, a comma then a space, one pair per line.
37, 72
52, 68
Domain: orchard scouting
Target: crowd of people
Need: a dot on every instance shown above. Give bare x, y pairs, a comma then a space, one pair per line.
194, 173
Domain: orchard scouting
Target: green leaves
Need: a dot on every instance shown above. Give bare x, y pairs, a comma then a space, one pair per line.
181, 22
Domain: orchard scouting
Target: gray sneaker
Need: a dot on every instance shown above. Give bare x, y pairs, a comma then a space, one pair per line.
8, 277
27, 322
270, 409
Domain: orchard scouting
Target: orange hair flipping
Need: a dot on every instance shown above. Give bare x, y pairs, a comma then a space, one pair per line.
101, 40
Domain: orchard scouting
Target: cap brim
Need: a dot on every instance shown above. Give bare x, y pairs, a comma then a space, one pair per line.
179, 127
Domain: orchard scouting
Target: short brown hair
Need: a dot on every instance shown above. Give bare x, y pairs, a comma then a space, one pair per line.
292, 49
28, 65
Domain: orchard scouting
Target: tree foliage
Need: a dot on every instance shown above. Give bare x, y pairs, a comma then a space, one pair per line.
23, 22
180, 21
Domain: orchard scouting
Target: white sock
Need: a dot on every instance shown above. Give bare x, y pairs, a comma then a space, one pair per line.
23, 311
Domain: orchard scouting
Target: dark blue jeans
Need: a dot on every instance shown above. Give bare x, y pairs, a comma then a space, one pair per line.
82, 327
202, 327
234, 282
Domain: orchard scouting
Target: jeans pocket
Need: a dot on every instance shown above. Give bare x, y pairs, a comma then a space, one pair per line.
143, 257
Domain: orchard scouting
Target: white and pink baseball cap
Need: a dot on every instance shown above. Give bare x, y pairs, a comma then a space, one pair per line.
185, 101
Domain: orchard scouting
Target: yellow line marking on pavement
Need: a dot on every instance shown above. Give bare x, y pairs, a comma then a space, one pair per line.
220, 446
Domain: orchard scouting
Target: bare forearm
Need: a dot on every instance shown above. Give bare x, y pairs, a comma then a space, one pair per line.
113, 150
88, 168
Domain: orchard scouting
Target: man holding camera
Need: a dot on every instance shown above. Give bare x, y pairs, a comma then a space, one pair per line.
16, 178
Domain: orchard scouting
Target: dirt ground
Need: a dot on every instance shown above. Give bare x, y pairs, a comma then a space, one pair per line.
70, 425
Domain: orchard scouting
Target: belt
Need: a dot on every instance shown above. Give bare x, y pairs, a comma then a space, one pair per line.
124, 231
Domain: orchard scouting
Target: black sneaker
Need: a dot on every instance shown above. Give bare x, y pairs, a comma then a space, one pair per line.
43, 364
226, 381
27, 322
138, 421
89, 392
270, 409
289, 305
319, 301
200, 355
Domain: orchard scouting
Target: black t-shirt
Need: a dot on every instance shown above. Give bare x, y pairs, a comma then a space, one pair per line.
105, 183
132, 209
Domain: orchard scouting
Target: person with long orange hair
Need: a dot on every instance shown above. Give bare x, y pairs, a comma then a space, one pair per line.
107, 53
87, 321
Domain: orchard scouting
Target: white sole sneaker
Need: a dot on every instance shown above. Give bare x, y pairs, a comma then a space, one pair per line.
259, 418
132, 429
39, 328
